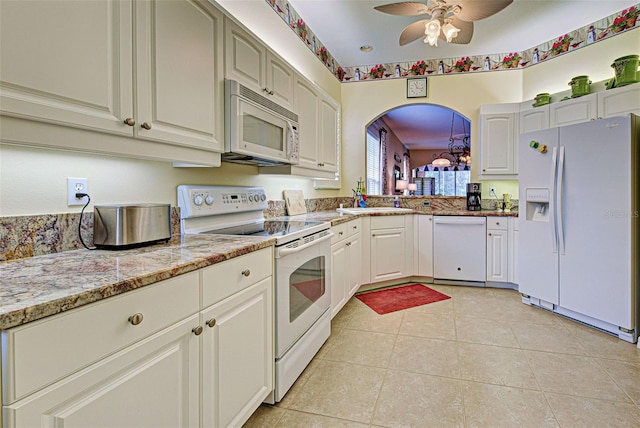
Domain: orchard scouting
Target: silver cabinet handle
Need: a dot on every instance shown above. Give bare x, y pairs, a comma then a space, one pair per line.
197, 330
136, 319
211, 322
146, 125
490, 235
246, 272
129, 121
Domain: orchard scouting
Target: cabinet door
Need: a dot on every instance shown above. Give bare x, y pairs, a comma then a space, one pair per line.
237, 356
534, 119
355, 267
513, 256
497, 255
619, 101
498, 146
179, 83
387, 254
245, 58
577, 110
329, 134
68, 63
306, 99
154, 383
339, 276
425, 245
280, 81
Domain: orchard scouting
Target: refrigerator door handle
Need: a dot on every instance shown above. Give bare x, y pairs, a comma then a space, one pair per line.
560, 220
552, 212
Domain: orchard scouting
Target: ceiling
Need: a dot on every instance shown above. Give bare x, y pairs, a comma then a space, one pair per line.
345, 25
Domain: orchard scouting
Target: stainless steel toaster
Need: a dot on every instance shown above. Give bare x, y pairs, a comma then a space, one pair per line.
127, 226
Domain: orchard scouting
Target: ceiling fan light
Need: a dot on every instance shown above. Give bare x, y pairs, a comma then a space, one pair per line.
432, 31
450, 31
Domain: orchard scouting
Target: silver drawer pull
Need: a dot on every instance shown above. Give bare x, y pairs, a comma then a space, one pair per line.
197, 330
136, 319
129, 121
246, 272
146, 125
211, 322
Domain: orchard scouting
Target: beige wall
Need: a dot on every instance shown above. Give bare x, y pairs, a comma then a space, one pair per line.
34, 180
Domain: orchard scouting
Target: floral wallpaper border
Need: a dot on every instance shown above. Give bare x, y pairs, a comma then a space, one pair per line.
602, 29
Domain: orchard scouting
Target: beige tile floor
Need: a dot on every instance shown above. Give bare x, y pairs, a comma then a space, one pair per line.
479, 359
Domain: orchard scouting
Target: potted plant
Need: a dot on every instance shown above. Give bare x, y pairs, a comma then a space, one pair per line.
463, 64
511, 60
377, 71
418, 68
302, 28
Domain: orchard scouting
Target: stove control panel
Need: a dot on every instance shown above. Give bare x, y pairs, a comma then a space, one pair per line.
200, 201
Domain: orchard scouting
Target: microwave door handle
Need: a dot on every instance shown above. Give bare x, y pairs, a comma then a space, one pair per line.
289, 139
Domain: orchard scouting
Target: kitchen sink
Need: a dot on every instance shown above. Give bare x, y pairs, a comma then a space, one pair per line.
371, 210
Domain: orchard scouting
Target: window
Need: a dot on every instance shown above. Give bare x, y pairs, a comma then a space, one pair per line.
374, 182
450, 183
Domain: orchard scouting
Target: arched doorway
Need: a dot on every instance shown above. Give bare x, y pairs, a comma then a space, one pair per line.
403, 144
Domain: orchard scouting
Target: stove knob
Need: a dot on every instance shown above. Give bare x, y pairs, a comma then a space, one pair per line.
197, 200
250, 198
263, 197
209, 200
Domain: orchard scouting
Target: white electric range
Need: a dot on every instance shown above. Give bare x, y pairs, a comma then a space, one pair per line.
302, 273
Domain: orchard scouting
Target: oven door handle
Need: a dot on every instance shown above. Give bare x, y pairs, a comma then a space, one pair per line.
286, 251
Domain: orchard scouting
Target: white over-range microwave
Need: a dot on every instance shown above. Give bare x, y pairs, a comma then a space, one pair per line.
258, 131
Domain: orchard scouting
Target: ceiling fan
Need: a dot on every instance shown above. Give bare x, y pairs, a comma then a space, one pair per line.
450, 20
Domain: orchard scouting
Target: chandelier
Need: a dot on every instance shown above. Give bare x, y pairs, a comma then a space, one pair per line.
439, 23
457, 154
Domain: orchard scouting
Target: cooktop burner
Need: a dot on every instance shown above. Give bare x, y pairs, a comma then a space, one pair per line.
275, 228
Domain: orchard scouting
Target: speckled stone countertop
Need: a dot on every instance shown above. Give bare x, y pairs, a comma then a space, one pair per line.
337, 218
37, 287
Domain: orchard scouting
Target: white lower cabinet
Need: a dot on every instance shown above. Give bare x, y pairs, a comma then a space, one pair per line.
237, 356
346, 254
391, 246
424, 245
153, 357
497, 249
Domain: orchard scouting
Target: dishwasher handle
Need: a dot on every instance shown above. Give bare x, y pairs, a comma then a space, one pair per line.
473, 221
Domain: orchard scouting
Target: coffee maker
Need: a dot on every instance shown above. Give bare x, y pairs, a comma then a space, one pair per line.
474, 197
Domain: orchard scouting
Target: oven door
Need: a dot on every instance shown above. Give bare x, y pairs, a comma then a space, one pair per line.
303, 289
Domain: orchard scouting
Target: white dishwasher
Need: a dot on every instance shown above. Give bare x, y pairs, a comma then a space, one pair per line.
459, 248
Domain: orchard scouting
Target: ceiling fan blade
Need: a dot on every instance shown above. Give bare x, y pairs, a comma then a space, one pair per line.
475, 10
405, 8
412, 32
465, 34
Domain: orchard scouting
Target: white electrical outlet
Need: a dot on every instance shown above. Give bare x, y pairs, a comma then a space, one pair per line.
77, 185
492, 190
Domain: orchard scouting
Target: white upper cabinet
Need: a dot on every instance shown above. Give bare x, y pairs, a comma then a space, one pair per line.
179, 86
619, 101
533, 118
576, 110
280, 81
498, 140
329, 121
249, 62
68, 63
150, 70
306, 97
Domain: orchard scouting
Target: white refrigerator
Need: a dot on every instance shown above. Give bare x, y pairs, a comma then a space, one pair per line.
578, 238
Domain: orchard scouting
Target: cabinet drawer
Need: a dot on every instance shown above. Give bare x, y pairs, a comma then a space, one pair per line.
387, 222
497, 223
47, 350
339, 232
224, 279
353, 227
